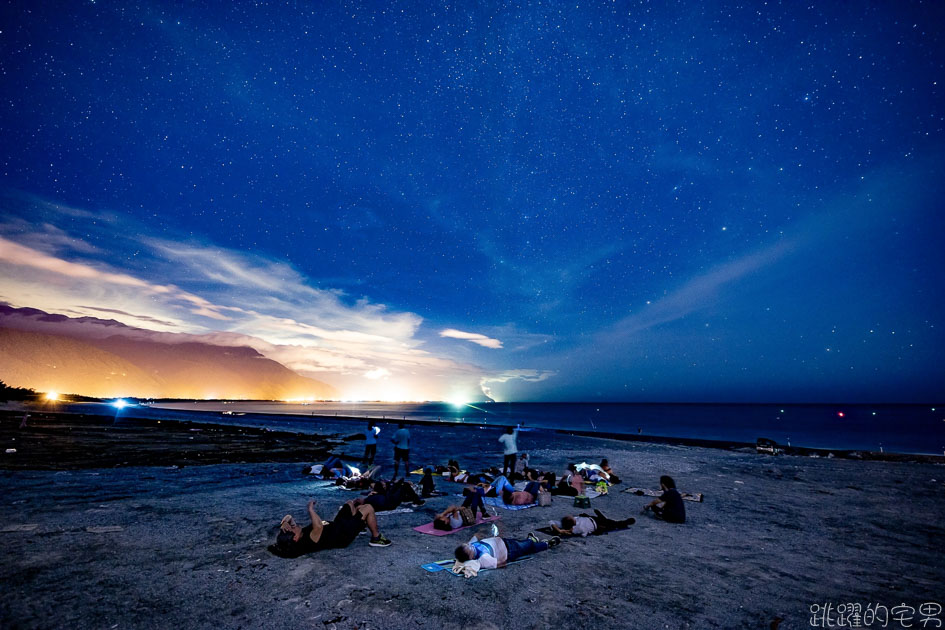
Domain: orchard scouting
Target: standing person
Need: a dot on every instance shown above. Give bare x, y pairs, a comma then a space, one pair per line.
669, 507
370, 443
510, 450
401, 441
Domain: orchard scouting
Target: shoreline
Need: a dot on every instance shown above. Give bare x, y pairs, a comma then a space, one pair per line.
62, 440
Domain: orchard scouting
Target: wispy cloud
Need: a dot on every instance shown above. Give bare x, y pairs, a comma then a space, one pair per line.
486, 383
215, 295
698, 293
482, 340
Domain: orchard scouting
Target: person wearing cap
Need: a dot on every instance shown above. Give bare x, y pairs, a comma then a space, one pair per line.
294, 541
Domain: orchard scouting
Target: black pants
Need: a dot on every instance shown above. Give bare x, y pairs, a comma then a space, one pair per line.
370, 450
508, 464
605, 524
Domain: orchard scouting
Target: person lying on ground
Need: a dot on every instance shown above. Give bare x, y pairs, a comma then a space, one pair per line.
495, 552
452, 517
388, 496
294, 541
361, 481
501, 487
669, 507
585, 524
455, 474
605, 466
332, 469
592, 472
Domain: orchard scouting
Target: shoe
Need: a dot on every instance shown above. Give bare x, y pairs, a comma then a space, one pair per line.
554, 542
532, 537
380, 541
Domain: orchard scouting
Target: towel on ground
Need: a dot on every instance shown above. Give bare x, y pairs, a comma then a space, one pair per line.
499, 503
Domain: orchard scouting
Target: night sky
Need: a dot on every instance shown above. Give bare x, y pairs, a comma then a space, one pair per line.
540, 201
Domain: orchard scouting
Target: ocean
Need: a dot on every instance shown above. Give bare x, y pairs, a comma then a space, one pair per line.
892, 428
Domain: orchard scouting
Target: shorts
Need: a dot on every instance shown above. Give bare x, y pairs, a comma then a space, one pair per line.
342, 531
401, 454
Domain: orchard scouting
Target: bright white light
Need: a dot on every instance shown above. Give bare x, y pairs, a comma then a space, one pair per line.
458, 402
52, 396
121, 403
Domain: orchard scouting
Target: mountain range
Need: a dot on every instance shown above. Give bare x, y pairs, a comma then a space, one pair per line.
105, 358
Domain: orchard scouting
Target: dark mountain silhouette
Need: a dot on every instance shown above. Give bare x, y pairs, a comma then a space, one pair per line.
81, 360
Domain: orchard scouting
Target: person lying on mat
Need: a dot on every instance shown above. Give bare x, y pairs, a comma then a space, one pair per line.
586, 524
496, 551
611, 477
294, 541
452, 518
388, 496
669, 507
510, 496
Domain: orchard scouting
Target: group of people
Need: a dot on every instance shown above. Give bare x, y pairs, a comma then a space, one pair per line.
354, 516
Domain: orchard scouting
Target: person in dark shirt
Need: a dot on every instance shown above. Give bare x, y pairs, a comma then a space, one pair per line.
388, 496
294, 541
669, 507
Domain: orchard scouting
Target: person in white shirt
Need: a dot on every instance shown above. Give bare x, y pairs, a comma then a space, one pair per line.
370, 444
585, 524
510, 450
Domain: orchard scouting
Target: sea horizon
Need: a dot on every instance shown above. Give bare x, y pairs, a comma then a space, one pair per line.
895, 428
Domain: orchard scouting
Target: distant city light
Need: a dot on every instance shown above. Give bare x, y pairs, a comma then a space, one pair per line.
121, 403
52, 396
840, 414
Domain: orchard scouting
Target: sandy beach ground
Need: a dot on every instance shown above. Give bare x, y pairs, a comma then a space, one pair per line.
185, 546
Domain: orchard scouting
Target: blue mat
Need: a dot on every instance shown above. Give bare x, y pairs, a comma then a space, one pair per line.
497, 502
446, 565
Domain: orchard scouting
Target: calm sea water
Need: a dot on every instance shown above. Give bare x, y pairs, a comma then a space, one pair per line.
894, 428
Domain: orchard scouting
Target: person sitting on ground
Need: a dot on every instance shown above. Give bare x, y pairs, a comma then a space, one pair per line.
586, 524
521, 469
605, 466
427, 487
388, 496
351, 519
669, 507
571, 484
495, 552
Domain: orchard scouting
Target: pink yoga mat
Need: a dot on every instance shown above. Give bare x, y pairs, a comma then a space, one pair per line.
429, 529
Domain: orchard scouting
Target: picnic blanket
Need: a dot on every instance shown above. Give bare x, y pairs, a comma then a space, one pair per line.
446, 565
497, 502
427, 528
686, 496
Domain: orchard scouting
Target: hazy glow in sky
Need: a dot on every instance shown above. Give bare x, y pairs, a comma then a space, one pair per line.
548, 202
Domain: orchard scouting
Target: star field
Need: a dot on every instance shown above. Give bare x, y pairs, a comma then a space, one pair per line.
715, 201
